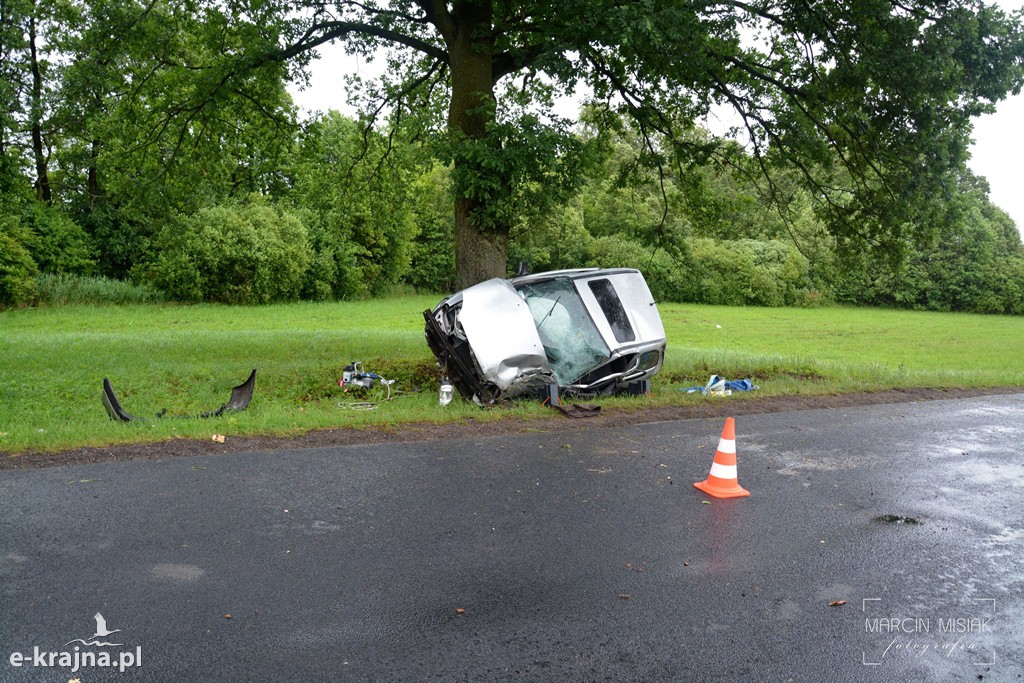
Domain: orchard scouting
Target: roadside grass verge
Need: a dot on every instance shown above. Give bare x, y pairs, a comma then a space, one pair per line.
187, 358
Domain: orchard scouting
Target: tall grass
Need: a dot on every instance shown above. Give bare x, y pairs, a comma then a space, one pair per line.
67, 290
187, 358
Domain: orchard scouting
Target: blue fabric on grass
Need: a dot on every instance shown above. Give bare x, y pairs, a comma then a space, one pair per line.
716, 383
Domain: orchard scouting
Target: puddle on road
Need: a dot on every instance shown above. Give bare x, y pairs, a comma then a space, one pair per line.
987, 410
896, 519
1008, 535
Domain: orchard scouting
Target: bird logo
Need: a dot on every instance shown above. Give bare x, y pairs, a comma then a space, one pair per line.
101, 627
101, 632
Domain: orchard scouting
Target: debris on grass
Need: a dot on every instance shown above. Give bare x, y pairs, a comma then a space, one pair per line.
240, 398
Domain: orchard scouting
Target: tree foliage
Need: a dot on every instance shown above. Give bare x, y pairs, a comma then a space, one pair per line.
17, 269
245, 253
138, 138
59, 245
355, 184
976, 263
870, 102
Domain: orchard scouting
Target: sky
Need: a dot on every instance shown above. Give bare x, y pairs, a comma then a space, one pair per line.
998, 143
996, 154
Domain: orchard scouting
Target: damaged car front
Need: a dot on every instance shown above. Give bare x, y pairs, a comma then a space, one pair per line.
581, 332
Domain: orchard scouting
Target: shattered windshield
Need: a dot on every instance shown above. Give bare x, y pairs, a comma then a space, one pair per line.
572, 343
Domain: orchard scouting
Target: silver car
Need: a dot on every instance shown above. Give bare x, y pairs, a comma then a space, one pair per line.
581, 332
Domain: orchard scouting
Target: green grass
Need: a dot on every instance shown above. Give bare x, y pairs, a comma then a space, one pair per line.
187, 358
846, 349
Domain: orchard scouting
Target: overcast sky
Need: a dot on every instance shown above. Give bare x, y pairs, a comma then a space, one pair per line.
997, 153
999, 147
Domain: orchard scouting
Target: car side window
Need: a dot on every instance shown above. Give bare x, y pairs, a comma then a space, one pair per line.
613, 310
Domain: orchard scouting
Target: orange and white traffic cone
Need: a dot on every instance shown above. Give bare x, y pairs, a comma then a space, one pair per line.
722, 481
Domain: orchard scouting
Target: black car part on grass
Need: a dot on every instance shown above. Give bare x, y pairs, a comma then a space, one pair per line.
240, 398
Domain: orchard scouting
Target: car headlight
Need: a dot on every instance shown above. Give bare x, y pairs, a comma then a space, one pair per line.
647, 360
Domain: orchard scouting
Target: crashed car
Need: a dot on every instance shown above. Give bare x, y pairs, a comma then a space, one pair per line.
582, 332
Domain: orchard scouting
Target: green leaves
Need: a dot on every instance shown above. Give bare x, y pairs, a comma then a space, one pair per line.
356, 186
247, 253
17, 269
854, 116
520, 170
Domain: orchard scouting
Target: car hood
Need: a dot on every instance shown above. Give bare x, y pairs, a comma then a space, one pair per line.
500, 330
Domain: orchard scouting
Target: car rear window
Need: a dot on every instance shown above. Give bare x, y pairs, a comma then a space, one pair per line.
612, 308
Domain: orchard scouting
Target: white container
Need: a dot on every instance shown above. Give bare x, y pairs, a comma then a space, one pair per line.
446, 393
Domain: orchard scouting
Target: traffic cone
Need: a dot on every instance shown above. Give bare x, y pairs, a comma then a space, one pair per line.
722, 481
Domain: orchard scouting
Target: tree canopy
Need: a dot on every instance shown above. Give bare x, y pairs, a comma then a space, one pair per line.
870, 101
124, 120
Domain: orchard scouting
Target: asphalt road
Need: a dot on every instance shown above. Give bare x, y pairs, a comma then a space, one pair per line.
583, 556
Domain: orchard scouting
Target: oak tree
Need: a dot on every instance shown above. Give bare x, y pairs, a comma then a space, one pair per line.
871, 101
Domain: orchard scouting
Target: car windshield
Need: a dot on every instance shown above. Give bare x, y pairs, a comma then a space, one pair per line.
572, 343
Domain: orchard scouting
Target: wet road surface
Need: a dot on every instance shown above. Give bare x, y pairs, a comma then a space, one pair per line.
879, 543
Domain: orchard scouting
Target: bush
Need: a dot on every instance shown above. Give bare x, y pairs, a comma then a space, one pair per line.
1008, 283
17, 267
58, 244
335, 271
122, 242
240, 254
355, 187
555, 242
976, 264
432, 265
749, 273
321, 276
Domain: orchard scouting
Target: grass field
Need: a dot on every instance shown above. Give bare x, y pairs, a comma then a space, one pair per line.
187, 358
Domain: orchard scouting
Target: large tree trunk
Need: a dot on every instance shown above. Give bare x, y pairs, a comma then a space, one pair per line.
479, 254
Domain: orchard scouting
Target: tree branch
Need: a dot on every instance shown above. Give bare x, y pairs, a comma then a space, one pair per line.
388, 13
407, 89
511, 61
436, 12
332, 30
776, 19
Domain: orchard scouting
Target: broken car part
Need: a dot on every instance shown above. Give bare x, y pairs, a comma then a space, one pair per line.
582, 332
354, 377
240, 398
